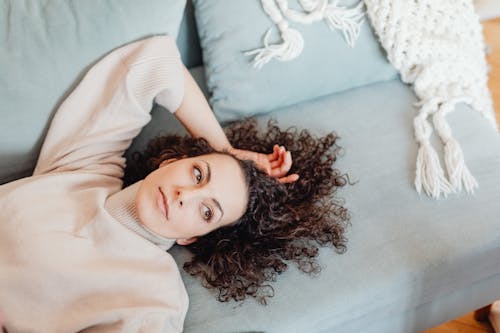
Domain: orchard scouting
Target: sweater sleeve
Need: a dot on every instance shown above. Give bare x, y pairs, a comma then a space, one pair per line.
149, 323
98, 121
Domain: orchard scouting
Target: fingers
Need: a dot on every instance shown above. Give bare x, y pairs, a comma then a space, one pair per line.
275, 154
281, 153
289, 179
280, 162
281, 167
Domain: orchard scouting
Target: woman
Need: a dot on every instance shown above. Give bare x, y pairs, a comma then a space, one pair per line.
282, 222
78, 253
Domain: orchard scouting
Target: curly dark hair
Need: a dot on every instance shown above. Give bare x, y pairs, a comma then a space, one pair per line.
283, 222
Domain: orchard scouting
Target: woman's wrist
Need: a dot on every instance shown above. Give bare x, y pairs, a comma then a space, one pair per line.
231, 150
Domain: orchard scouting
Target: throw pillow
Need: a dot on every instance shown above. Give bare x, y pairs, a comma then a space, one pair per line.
327, 64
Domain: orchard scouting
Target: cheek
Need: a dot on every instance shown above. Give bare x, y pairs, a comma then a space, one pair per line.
144, 204
188, 215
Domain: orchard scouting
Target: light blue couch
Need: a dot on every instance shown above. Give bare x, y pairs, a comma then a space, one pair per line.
412, 262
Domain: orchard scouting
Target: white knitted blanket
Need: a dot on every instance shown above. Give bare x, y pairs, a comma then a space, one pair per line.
438, 48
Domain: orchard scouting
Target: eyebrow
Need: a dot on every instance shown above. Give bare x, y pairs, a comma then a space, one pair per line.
216, 203
209, 172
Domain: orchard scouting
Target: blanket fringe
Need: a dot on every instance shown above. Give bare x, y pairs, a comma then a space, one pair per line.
347, 20
429, 173
313, 11
458, 173
290, 47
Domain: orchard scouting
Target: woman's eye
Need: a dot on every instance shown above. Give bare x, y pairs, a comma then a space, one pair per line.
197, 175
206, 213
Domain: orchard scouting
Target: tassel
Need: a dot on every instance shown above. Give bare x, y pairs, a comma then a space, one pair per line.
458, 173
429, 174
289, 49
348, 20
291, 46
309, 5
313, 13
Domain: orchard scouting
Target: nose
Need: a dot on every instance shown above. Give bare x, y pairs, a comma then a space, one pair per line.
186, 194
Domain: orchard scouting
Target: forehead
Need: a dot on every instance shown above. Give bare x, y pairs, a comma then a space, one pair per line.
219, 161
223, 168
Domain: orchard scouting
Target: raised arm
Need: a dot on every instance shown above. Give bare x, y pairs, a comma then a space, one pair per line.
197, 116
96, 123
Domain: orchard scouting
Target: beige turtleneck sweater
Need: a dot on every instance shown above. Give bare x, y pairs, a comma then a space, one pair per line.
72, 256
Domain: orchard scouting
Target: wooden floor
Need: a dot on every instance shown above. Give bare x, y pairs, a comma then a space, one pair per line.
492, 37
467, 324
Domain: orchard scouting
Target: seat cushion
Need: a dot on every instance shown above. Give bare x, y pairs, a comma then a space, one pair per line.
404, 251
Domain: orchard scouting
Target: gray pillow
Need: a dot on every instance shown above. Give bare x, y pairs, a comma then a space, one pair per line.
327, 64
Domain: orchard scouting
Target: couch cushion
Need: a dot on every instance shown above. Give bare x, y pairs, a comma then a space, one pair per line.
327, 64
404, 250
46, 46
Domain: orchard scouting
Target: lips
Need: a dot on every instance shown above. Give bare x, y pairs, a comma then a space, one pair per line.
162, 203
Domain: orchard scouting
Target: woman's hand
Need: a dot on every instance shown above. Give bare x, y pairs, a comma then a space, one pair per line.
277, 164
197, 117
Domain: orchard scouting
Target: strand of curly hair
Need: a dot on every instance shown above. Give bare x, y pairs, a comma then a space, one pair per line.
283, 223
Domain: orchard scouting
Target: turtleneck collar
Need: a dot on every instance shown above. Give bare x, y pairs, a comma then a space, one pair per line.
121, 206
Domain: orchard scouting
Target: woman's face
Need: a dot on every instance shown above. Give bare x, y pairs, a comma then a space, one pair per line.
191, 197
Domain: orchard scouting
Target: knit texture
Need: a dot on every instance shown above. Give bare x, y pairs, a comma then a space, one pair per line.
438, 47
69, 261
